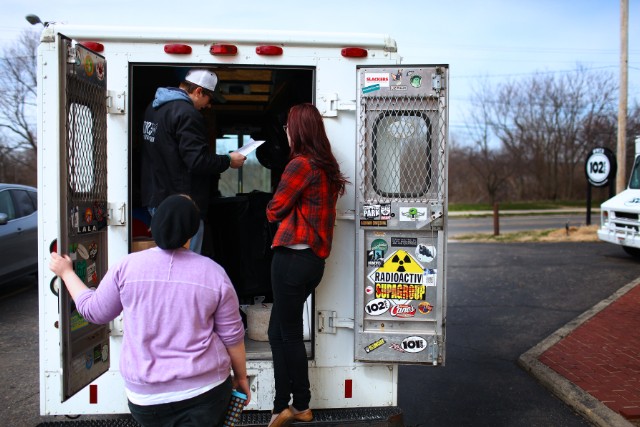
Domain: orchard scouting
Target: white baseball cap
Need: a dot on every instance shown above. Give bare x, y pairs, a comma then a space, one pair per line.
203, 78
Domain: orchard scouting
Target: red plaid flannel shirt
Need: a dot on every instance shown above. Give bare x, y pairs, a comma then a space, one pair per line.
304, 206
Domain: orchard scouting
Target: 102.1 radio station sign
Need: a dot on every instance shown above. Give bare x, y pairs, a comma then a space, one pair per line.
600, 167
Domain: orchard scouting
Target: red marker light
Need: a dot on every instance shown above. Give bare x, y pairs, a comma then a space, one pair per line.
93, 394
354, 52
348, 389
180, 49
223, 49
94, 46
269, 50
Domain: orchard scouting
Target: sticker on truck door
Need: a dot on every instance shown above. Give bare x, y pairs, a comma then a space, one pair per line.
401, 277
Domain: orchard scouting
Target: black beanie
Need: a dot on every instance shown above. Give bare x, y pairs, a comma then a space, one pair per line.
176, 220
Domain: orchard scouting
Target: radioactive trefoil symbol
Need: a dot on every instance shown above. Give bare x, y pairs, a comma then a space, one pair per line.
401, 261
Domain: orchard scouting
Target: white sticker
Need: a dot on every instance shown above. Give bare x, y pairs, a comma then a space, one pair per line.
381, 79
414, 344
425, 253
412, 214
377, 307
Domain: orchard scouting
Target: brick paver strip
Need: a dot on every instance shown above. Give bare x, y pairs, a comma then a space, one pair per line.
602, 356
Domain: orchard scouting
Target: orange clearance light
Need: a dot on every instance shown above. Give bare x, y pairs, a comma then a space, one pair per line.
354, 52
180, 49
94, 46
223, 49
269, 50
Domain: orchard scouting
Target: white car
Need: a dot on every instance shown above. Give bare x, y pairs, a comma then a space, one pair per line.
18, 231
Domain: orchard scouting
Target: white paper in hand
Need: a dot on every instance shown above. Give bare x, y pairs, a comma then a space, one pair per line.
246, 149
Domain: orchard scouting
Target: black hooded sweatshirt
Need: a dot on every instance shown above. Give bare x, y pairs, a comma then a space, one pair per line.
176, 157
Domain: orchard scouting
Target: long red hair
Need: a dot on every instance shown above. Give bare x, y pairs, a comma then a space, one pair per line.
309, 138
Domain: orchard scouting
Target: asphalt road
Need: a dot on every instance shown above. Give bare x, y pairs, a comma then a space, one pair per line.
459, 225
502, 300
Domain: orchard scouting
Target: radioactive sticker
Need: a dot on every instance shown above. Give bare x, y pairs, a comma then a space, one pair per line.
400, 277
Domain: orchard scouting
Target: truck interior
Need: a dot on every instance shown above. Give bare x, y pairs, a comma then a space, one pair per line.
251, 103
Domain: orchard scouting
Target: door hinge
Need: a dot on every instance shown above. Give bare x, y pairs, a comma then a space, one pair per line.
116, 102
329, 322
435, 217
328, 104
117, 213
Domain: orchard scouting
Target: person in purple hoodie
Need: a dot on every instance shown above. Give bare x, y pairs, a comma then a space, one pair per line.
183, 335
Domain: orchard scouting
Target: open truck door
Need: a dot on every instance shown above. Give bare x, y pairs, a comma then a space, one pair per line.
401, 211
83, 208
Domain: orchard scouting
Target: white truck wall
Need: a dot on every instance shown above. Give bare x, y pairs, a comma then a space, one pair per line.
372, 385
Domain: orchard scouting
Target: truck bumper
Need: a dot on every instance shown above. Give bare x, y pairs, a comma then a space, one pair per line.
617, 237
364, 417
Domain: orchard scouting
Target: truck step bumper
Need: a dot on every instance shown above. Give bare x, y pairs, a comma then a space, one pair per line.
371, 417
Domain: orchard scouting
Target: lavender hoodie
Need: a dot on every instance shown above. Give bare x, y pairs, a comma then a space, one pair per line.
180, 314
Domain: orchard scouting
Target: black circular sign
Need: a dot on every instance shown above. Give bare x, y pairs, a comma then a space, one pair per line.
600, 166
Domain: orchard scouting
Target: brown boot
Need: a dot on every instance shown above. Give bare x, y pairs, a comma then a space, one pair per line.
304, 416
283, 419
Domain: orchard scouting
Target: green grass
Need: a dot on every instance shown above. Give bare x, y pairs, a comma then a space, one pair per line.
506, 206
517, 236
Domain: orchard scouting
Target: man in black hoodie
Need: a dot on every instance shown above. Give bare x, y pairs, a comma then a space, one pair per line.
175, 156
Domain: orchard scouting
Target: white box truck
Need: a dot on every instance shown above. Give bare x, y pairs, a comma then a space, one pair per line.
382, 301
620, 215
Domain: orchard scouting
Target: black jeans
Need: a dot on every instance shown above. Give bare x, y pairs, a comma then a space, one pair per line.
207, 409
294, 276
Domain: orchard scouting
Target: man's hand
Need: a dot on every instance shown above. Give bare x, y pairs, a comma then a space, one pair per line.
237, 160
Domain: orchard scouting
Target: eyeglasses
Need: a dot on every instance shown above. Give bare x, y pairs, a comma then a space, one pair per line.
285, 128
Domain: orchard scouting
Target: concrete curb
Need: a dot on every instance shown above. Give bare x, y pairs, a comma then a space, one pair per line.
581, 401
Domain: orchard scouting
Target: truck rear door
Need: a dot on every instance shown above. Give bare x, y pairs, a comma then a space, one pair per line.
83, 204
401, 211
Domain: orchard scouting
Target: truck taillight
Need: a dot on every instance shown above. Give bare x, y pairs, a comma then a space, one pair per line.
94, 46
269, 50
180, 49
354, 52
223, 49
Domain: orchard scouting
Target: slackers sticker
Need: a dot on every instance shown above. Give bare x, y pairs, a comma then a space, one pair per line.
381, 79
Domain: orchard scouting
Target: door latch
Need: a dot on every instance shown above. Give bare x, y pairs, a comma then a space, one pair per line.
329, 322
328, 104
117, 214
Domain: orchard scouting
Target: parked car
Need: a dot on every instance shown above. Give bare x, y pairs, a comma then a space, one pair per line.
18, 231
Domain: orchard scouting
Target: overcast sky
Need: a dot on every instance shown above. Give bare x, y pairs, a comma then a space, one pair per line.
498, 39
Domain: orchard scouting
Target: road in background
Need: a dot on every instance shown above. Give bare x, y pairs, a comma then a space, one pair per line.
460, 225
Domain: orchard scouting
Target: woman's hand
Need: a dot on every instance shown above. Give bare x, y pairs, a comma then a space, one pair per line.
242, 384
60, 265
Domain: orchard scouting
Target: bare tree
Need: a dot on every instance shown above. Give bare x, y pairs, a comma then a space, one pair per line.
487, 160
541, 123
18, 80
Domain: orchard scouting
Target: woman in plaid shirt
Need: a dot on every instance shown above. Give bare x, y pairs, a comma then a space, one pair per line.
304, 205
